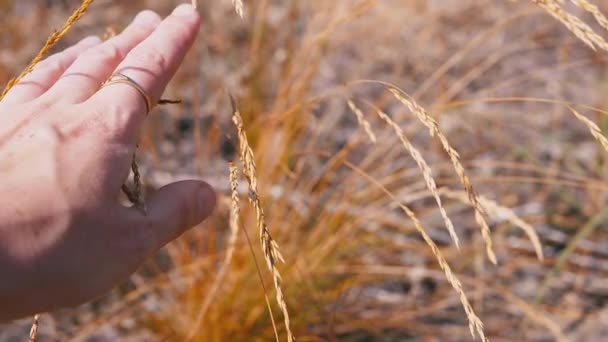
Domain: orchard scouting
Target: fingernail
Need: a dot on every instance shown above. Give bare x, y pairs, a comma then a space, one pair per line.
206, 200
184, 10
147, 16
90, 40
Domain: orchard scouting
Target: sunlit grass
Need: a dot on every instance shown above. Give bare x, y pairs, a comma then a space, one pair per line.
357, 202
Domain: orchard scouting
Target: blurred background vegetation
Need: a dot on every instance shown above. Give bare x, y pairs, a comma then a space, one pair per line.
498, 76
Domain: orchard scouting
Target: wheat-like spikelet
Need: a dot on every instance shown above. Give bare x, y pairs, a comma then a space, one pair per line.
475, 323
361, 119
270, 248
426, 172
239, 7
574, 24
596, 132
433, 127
137, 194
234, 213
34, 329
594, 10
496, 210
50, 42
234, 230
138, 188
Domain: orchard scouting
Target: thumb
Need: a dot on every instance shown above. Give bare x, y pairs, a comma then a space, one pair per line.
177, 207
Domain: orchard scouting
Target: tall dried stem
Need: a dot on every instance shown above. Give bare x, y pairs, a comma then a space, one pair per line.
475, 323
270, 248
433, 128
580, 29
426, 173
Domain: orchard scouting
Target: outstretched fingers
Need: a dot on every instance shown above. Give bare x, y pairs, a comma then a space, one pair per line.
151, 65
47, 72
85, 76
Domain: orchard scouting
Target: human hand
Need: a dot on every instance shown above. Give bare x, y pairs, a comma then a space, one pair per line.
66, 146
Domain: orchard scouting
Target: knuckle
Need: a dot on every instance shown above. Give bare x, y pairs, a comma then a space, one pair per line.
90, 40
184, 32
49, 68
105, 53
110, 120
152, 58
52, 66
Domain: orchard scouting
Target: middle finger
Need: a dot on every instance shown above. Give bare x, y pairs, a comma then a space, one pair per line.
92, 68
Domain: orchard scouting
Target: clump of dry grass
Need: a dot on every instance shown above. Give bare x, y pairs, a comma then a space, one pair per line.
270, 248
475, 324
433, 127
50, 42
583, 31
474, 321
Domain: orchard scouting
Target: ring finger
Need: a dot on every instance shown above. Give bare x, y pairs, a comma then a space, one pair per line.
84, 77
150, 66
46, 73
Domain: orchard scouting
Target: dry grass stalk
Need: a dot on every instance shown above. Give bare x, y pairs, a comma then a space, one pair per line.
361, 119
533, 314
475, 323
50, 42
594, 10
239, 7
34, 329
496, 210
270, 248
234, 213
136, 195
574, 24
261, 278
195, 4
139, 199
234, 230
596, 132
426, 172
433, 127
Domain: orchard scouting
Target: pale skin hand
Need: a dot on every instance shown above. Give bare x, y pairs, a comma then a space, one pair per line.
65, 150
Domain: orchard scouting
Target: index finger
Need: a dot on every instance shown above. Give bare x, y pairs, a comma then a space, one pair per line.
151, 65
